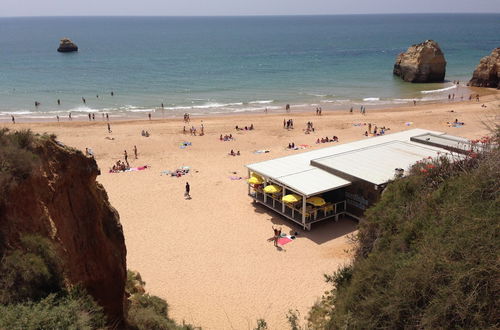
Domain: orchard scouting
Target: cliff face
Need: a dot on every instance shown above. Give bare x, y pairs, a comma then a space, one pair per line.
487, 73
62, 201
421, 63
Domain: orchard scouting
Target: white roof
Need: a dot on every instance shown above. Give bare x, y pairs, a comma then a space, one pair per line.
297, 173
313, 181
377, 164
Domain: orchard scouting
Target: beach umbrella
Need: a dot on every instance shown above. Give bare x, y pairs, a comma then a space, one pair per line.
255, 180
316, 201
292, 198
272, 189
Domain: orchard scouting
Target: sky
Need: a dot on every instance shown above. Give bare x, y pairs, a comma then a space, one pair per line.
239, 7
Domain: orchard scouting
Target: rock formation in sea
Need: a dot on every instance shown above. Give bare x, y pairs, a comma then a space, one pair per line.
421, 63
59, 199
66, 46
487, 73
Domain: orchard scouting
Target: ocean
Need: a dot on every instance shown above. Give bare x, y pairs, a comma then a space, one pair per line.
227, 64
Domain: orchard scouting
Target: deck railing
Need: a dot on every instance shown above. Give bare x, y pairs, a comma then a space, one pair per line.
329, 211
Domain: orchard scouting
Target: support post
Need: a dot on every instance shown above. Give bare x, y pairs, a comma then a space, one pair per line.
283, 203
248, 182
303, 210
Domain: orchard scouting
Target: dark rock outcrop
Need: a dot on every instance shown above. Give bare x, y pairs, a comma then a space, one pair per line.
421, 63
62, 201
67, 46
487, 73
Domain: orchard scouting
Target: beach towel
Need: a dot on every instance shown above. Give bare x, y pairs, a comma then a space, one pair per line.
261, 151
357, 124
166, 172
184, 145
409, 123
236, 178
284, 240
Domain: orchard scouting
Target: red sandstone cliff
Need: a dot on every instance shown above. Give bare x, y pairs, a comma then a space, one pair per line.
61, 200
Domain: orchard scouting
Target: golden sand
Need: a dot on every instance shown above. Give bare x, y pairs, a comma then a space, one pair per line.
210, 257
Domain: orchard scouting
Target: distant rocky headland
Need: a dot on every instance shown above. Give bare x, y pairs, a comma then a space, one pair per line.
487, 73
421, 63
67, 46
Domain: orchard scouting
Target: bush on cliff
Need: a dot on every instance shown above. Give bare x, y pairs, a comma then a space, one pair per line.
32, 294
427, 254
147, 312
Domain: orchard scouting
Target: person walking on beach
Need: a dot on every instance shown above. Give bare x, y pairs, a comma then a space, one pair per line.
107, 116
109, 128
188, 190
57, 117
277, 234
135, 151
13, 119
69, 116
125, 155
90, 117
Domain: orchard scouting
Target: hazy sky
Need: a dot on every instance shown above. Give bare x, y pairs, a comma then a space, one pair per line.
240, 7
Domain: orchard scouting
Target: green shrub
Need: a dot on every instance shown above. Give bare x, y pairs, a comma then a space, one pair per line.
76, 310
29, 273
427, 253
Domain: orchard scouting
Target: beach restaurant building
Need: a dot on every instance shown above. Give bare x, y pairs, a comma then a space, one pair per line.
343, 179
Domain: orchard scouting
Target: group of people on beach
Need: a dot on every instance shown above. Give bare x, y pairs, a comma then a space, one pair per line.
232, 153
309, 127
246, 128
376, 131
288, 124
84, 100
319, 111
187, 119
326, 139
227, 137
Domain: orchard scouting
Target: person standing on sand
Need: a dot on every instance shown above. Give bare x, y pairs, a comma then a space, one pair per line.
90, 117
57, 117
109, 128
13, 119
135, 151
188, 190
277, 234
69, 116
125, 155
370, 128
107, 116
149, 116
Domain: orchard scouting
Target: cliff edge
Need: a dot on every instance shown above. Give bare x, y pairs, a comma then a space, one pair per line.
50, 190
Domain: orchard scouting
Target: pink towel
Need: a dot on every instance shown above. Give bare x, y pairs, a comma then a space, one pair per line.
284, 240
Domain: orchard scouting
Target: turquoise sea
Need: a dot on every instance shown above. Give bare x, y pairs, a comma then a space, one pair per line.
227, 64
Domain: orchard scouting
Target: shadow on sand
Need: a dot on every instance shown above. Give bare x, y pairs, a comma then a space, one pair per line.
320, 232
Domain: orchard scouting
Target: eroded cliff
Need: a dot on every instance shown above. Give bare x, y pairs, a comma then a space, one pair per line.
58, 198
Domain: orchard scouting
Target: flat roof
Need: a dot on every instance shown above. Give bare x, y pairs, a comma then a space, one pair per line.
312, 182
377, 164
296, 171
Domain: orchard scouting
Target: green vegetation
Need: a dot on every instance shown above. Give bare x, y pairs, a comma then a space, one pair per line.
427, 254
32, 294
147, 312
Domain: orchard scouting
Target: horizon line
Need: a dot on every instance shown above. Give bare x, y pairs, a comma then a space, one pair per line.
254, 15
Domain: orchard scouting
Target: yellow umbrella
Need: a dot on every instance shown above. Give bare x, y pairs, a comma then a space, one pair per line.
316, 201
255, 180
292, 198
272, 189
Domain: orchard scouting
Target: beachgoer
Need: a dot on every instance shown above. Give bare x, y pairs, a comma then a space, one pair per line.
107, 116
135, 151
13, 119
109, 128
125, 155
58, 102
350, 110
162, 105
57, 117
112, 93
84, 101
231, 153
277, 234
93, 116
97, 96
188, 191
366, 133
238, 153
69, 116
414, 102
370, 128
90, 118
149, 116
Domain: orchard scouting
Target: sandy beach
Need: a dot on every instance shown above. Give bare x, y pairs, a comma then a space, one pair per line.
210, 256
